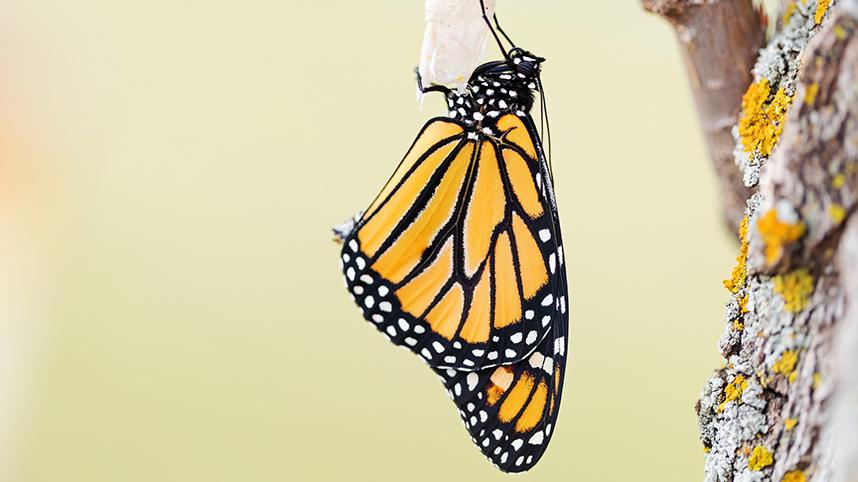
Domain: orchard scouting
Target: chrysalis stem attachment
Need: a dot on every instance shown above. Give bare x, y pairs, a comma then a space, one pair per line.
453, 42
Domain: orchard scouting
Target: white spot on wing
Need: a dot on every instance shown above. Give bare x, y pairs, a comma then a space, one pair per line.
548, 366
536, 360
472, 380
531, 337
559, 346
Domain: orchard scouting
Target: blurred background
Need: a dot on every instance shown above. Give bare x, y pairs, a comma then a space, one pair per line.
171, 307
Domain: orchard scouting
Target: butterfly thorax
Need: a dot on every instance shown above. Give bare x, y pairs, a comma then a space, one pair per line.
495, 89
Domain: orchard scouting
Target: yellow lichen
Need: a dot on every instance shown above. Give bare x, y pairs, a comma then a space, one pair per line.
793, 377
743, 303
764, 380
790, 9
837, 213
839, 32
817, 379
733, 391
762, 121
777, 234
790, 424
810, 93
795, 288
738, 325
737, 279
838, 181
794, 476
786, 363
821, 7
777, 111
760, 458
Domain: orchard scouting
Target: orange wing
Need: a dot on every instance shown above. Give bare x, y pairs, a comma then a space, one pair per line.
510, 411
459, 256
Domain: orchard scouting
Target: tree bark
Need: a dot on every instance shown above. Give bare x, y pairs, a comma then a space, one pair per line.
843, 422
785, 406
719, 41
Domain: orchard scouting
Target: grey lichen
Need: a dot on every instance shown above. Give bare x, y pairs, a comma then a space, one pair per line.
749, 164
780, 60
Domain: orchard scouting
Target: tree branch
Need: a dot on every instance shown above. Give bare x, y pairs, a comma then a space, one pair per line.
842, 425
719, 40
769, 414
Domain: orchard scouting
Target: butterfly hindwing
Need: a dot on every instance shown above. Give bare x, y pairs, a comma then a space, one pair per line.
510, 410
457, 258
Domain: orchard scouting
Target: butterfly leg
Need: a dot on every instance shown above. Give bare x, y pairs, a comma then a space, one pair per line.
492, 30
497, 26
432, 88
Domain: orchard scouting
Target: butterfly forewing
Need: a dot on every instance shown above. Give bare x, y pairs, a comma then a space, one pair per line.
457, 258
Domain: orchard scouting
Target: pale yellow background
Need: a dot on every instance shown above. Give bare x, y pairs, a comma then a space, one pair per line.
184, 163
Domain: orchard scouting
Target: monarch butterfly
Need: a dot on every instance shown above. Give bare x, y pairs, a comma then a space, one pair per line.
459, 259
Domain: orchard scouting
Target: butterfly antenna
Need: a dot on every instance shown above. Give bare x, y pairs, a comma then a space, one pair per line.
544, 110
497, 26
492, 29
